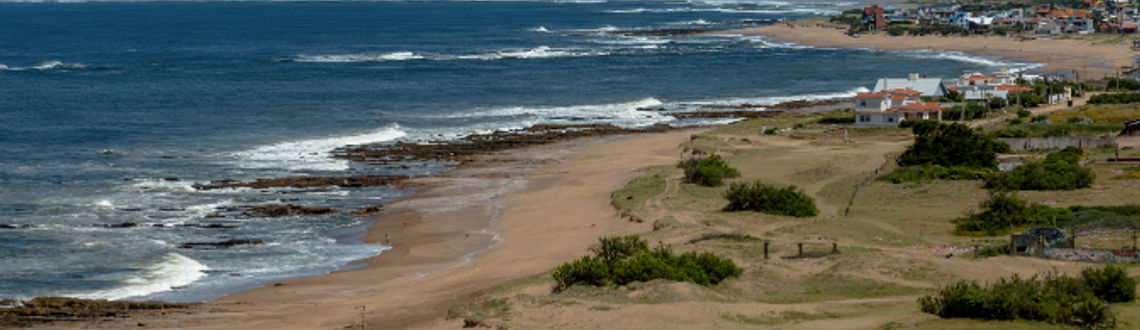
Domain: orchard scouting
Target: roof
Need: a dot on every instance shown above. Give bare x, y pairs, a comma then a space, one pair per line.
870, 95
979, 77
927, 86
905, 91
921, 107
898, 97
1129, 26
1013, 88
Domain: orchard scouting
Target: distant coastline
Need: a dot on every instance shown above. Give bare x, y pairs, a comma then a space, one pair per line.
1074, 57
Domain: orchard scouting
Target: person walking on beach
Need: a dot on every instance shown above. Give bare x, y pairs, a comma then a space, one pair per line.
387, 240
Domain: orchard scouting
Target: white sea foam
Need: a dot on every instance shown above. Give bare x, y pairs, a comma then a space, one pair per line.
353, 58
1009, 65
770, 100
312, 154
794, 10
623, 114
162, 185
540, 29
175, 270
539, 52
44, 66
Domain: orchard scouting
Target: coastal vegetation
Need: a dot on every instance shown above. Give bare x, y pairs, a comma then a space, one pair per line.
1051, 298
709, 171
1004, 212
1060, 170
760, 197
893, 242
623, 260
951, 145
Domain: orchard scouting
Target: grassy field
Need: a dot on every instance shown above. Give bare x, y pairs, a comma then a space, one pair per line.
895, 241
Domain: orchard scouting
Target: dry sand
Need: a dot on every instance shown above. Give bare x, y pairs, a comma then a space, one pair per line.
1086, 58
512, 216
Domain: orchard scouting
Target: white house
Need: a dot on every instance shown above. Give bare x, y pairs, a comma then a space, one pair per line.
929, 87
890, 107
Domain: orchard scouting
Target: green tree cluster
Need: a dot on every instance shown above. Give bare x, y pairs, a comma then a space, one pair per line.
623, 260
1081, 301
951, 145
759, 197
1004, 212
1060, 170
709, 171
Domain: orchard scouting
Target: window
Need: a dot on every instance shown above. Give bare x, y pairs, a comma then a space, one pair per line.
890, 119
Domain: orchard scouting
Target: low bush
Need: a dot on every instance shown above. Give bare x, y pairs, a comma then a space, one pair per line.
623, 260
1060, 170
1023, 113
1116, 98
1111, 284
994, 251
1050, 298
837, 120
1004, 212
929, 172
757, 196
709, 171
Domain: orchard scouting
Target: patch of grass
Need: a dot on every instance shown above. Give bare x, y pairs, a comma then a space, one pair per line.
927, 172
481, 312
822, 287
636, 192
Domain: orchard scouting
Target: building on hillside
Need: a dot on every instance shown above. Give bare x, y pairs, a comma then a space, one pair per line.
1131, 128
891, 107
873, 18
929, 87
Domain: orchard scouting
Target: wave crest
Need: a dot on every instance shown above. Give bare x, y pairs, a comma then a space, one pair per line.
174, 270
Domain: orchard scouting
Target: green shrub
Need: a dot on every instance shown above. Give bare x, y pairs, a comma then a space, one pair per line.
1024, 113
1060, 170
994, 251
837, 120
1027, 99
1051, 298
709, 171
757, 196
1117, 98
1110, 284
951, 145
1004, 211
623, 260
929, 172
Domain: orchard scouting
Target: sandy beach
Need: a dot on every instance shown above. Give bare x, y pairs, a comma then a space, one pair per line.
1058, 54
509, 216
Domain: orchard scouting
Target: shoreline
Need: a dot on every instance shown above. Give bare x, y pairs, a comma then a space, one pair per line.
1082, 57
464, 231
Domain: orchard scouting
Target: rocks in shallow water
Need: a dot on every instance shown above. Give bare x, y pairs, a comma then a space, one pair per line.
119, 225
222, 244
463, 150
14, 226
368, 210
308, 182
47, 309
287, 209
209, 226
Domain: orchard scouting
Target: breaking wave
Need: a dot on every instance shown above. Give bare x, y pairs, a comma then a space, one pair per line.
313, 154
49, 65
175, 270
540, 52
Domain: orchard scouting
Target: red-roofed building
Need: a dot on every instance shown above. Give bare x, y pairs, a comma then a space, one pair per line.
888, 108
1013, 88
873, 18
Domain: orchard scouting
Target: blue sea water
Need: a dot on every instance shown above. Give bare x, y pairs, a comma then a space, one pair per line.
110, 111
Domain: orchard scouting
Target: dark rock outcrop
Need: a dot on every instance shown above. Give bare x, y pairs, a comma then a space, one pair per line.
308, 182
222, 244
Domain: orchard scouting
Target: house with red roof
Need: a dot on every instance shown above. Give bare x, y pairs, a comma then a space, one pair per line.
890, 107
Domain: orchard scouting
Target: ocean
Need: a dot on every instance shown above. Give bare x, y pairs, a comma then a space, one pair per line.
111, 111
